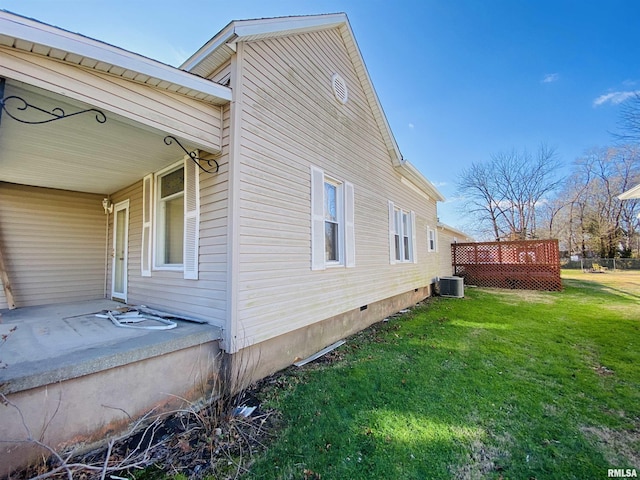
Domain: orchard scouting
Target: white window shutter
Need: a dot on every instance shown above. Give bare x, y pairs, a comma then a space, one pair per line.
317, 219
147, 212
349, 228
191, 219
392, 234
414, 250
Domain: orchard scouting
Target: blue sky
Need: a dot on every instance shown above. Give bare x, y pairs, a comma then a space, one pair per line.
459, 80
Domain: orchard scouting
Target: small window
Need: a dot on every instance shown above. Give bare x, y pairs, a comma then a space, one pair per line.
431, 238
170, 218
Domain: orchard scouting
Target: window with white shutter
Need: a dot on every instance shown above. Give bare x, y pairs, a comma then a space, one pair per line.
432, 239
147, 212
332, 222
191, 219
171, 220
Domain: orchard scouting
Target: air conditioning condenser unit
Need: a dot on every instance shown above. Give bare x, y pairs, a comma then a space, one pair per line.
451, 287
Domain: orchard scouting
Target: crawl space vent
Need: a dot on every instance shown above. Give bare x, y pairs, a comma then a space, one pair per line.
340, 88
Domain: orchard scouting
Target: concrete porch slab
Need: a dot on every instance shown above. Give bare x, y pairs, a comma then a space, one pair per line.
54, 343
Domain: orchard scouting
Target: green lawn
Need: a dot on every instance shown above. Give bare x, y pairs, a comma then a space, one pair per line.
500, 384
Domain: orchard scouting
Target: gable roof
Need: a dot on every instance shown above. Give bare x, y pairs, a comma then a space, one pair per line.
221, 47
32, 36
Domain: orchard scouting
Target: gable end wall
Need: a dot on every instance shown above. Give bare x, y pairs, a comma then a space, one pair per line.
290, 121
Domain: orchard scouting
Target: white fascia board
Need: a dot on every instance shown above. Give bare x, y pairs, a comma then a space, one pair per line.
370, 91
287, 25
35, 32
240, 30
631, 193
412, 173
226, 35
460, 233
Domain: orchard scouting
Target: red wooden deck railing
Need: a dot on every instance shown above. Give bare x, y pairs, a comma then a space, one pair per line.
526, 264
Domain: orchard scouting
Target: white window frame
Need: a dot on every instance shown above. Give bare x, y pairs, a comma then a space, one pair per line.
402, 239
432, 240
339, 221
345, 221
158, 230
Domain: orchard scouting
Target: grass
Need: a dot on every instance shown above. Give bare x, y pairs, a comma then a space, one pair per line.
499, 385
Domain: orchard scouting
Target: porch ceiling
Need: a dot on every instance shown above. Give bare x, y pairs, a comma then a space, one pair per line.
77, 153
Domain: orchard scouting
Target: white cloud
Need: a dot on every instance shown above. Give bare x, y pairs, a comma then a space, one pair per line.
411, 126
614, 97
551, 77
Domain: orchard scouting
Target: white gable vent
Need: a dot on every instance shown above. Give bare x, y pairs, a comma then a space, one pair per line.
339, 88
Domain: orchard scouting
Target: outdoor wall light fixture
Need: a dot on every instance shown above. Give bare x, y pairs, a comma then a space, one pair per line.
107, 205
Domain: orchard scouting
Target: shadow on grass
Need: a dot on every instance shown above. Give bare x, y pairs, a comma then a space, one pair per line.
585, 287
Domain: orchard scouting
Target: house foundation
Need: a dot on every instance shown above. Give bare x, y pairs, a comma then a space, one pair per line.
263, 359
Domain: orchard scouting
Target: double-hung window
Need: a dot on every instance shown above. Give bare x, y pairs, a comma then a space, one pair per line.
401, 235
432, 245
332, 226
333, 244
170, 220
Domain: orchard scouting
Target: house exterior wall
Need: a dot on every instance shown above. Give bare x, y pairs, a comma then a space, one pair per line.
447, 236
445, 239
54, 244
205, 297
290, 122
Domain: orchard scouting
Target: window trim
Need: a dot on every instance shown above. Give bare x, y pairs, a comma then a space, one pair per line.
340, 224
431, 231
402, 240
345, 221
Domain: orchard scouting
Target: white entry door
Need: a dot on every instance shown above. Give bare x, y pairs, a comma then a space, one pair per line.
120, 251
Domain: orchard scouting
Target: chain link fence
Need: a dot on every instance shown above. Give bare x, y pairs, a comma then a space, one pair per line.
599, 263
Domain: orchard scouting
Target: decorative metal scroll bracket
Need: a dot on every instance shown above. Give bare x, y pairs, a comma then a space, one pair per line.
169, 139
21, 105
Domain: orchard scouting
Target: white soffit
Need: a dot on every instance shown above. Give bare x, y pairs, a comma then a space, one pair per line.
78, 153
41, 39
631, 193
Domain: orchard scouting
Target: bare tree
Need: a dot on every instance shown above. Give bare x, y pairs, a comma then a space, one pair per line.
629, 120
600, 222
506, 193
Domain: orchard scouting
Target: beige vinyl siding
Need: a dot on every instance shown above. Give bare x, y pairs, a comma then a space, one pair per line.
192, 120
203, 298
54, 244
222, 73
445, 239
291, 120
